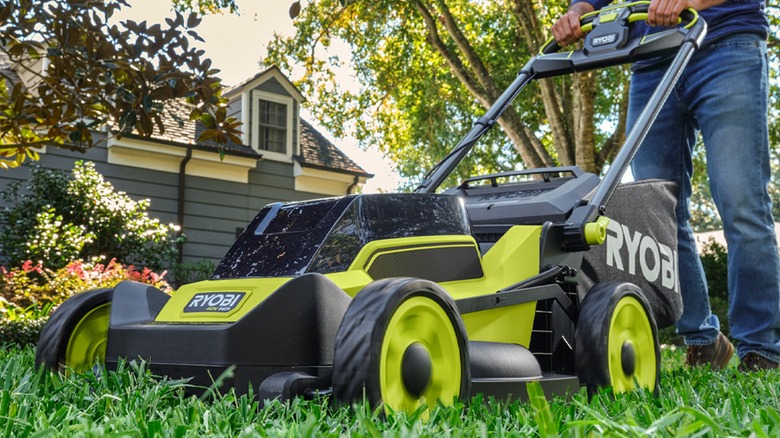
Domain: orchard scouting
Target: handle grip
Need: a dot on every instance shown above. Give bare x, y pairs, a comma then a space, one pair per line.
628, 12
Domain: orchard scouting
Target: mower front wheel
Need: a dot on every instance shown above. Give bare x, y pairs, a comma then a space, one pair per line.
401, 343
76, 334
616, 340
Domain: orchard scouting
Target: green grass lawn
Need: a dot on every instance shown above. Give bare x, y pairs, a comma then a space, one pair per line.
130, 402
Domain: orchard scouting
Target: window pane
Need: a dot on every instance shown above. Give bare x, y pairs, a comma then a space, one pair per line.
273, 114
272, 132
272, 139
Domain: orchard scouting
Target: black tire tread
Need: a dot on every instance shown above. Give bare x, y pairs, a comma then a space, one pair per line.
52, 342
590, 355
354, 341
359, 338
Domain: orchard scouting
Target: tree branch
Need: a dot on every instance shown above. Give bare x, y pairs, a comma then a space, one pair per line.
564, 144
615, 141
532, 152
456, 66
584, 86
477, 66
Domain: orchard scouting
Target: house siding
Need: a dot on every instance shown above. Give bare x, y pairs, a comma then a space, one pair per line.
273, 86
213, 209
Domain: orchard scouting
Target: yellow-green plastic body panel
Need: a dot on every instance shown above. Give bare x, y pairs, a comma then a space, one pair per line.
255, 289
373, 251
512, 259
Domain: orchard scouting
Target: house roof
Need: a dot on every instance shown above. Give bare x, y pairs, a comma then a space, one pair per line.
318, 152
272, 71
180, 130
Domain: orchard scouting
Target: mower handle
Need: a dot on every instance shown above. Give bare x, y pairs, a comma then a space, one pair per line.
636, 11
608, 42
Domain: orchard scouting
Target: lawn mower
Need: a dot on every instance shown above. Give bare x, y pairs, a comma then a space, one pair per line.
409, 299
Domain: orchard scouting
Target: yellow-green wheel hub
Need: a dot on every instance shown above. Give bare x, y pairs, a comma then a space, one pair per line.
631, 347
420, 357
87, 342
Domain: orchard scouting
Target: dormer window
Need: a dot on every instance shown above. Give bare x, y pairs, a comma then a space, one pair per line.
272, 122
272, 129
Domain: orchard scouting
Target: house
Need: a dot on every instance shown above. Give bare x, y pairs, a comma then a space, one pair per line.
282, 158
704, 239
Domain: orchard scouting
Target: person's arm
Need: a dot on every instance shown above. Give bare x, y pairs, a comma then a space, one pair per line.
666, 12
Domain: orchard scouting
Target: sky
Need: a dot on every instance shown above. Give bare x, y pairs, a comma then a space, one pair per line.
236, 43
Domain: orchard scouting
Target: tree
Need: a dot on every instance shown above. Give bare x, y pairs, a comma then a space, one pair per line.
427, 68
80, 72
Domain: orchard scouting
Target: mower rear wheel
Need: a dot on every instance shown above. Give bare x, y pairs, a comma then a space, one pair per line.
76, 334
401, 344
616, 340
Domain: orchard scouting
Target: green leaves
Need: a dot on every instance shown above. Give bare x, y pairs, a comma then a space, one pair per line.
75, 67
63, 218
425, 70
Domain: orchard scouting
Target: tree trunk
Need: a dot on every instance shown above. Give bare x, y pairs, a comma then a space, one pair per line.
474, 75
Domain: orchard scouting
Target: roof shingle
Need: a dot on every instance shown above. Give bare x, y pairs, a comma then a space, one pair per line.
318, 151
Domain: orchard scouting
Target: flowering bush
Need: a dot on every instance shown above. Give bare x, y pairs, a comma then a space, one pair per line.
30, 292
57, 218
34, 285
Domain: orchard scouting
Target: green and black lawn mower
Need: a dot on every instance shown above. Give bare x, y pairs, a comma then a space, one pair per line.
414, 298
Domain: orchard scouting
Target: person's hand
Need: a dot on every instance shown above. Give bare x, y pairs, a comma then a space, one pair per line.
567, 29
666, 13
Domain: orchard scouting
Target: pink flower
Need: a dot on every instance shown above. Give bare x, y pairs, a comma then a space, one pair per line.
27, 267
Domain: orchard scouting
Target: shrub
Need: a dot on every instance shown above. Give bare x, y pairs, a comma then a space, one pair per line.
29, 293
190, 272
21, 326
34, 285
58, 218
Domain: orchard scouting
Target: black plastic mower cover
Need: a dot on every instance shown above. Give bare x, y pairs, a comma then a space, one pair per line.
641, 246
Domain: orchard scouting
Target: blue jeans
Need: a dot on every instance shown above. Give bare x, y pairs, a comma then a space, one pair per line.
723, 94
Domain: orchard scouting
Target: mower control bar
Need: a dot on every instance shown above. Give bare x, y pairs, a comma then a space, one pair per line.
608, 41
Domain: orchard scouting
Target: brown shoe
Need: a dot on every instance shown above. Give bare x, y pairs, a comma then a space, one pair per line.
716, 355
755, 362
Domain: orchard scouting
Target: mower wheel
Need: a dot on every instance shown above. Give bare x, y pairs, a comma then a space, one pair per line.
616, 340
401, 344
76, 334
